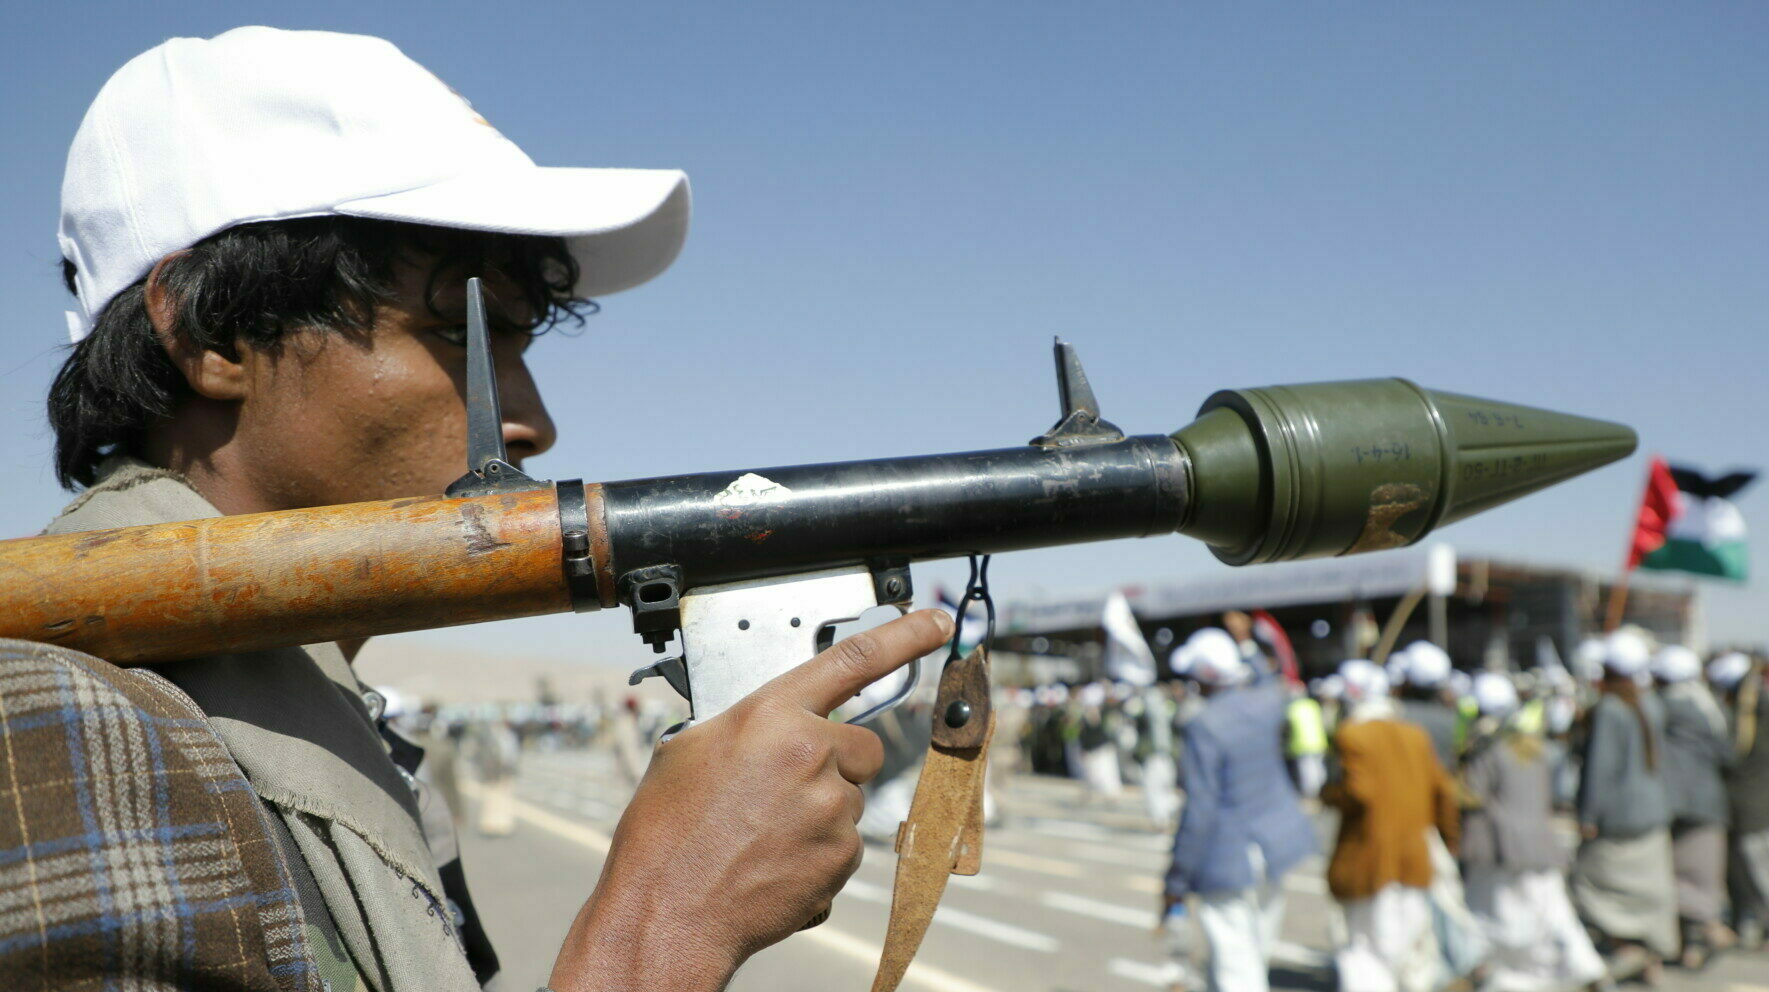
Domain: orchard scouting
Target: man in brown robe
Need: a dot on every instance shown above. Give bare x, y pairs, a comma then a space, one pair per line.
1390, 792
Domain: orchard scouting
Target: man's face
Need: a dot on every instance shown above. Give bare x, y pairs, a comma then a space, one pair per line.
341, 418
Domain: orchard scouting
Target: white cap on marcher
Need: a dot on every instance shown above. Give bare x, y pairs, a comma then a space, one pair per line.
195, 136
1211, 657
1177, 660
1587, 659
1626, 652
1728, 670
1494, 694
1426, 665
1676, 663
1364, 680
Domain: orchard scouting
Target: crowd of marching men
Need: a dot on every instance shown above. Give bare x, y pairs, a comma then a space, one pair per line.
1548, 829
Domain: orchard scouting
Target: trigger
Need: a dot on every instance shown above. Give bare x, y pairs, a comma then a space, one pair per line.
672, 671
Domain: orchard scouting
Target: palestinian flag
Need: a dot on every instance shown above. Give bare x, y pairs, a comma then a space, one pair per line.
1687, 523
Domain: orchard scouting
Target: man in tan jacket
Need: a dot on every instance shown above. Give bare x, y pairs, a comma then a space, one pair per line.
1391, 791
266, 234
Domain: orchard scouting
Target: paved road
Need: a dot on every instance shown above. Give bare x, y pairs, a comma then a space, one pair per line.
1065, 901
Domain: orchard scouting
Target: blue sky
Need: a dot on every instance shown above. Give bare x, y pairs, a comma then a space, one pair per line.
898, 205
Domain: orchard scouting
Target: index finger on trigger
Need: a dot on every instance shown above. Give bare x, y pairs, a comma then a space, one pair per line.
833, 677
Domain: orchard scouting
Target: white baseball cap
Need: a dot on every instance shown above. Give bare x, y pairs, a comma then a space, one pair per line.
195, 136
1212, 657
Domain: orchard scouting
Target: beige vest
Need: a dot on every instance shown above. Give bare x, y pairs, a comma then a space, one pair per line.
295, 721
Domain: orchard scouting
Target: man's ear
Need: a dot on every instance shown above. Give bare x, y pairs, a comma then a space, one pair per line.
210, 373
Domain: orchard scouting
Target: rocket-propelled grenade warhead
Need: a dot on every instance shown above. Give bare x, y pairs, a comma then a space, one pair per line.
1335, 468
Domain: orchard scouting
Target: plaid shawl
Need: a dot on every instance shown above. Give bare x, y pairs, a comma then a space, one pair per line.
384, 897
134, 857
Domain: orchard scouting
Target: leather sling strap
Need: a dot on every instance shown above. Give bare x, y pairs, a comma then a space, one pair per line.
944, 833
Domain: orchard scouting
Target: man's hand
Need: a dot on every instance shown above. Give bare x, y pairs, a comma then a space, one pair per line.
742, 829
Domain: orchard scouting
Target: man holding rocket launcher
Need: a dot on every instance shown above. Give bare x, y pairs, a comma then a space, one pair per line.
272, 386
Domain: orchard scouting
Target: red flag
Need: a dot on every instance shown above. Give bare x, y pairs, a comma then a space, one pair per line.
1661, 504
1267, 629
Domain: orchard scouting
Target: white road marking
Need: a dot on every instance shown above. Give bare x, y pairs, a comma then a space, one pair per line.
1149, 884
552, 823
1079, 830
982, 926
1160, 975
1006, 933
1284, 952
981, 883
1299, 880
866, 891
1030, 862
1127, 857
1146, 884
924, 975
1142, 919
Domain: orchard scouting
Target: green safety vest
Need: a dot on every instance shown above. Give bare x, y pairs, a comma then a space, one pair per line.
1467, 711
1308, 731
1532, 718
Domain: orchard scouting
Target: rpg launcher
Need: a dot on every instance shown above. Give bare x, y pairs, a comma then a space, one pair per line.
754, 568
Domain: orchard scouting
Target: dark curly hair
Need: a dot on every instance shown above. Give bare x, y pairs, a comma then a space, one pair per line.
252, 284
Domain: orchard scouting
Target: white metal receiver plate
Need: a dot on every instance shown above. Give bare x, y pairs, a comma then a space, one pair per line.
737, 637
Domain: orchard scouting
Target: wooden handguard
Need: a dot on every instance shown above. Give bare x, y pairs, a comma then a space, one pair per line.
224, 584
